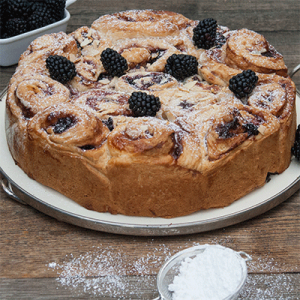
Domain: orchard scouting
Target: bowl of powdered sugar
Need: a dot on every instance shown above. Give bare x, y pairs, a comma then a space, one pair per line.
206, 272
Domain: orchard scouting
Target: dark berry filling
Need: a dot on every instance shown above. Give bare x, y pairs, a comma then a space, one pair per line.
109, 123
270, 53
251, 129
28, 114
156, 54
156, 78
227, 130
296, 146
234, 127
87, 147
62, 124
220, 40
185, 104
177, 148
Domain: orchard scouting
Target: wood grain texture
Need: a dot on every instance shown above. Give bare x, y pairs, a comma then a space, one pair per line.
30, 240
262, 287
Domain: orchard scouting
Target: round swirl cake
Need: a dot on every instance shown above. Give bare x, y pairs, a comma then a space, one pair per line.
142, 120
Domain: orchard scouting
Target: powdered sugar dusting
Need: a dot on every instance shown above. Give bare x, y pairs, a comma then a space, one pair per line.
107, 271
279, 287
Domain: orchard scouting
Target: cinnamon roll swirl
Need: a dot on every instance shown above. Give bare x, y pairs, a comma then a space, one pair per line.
244, 49
276, 95
68, 127
104, 103
71, 142
152, 54
141, 23
144, 136
58, 43
33, 94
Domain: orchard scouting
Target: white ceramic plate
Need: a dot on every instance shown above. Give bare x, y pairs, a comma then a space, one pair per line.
19, 186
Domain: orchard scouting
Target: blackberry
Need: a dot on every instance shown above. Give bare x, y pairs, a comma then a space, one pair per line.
56, 4
181, 66
18, 9
205, 33
2, 18
34, 14
243, 84
113, 62
40, 17
57, 8
60, 68
2, 31
15, 26
3, 5
296, 147
143, 104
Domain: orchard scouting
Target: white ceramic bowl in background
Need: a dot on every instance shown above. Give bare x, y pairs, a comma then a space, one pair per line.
13, 47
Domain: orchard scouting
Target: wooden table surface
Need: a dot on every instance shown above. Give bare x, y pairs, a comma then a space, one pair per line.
42, 258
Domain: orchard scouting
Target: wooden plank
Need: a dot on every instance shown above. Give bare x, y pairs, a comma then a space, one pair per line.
29, 241
262, 287
271, 15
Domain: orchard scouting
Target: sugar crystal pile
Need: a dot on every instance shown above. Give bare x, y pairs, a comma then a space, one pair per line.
214, 274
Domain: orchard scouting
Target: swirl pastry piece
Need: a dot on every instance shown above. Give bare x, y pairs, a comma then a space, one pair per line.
34, 94
141, 23
276, 95
68, 126
75, 139
247, 49
125, 136
145, 81
244, 49
150, 53
142, 135
33, 59
104, 103
88, 70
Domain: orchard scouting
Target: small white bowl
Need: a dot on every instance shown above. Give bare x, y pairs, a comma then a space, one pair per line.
13, 47
171, 268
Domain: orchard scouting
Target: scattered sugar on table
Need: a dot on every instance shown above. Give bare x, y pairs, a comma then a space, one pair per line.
211, 275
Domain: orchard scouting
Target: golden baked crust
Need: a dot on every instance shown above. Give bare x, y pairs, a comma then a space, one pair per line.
197, 153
